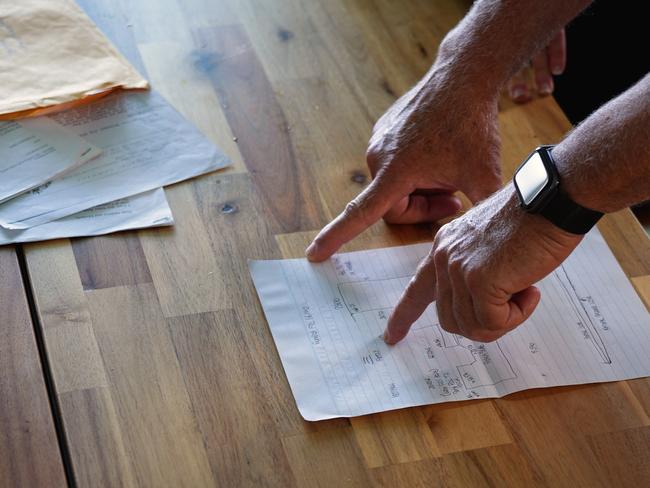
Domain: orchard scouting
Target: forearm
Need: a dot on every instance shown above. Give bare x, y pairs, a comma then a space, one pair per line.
497, 37
605, 162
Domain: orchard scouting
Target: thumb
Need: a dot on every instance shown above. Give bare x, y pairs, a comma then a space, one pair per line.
522, 305
366, 209
419, 293
507, 313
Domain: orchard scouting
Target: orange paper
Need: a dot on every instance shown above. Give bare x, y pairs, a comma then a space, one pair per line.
52, 54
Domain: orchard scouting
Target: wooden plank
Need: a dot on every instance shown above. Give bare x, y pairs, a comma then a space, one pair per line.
642, 285
259, 123
112, 260
156, 421
466, 426
324, 459
632, 469
29, 451
108, 347
396, 437
186, 273
239, 454
92, 427
564, 418
503, 465
420, 474
233, 211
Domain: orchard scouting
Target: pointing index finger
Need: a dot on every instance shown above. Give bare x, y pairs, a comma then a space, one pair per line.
366, 209
419, 293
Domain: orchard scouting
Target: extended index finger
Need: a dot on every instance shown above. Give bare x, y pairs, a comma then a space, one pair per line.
366, 209
419, 293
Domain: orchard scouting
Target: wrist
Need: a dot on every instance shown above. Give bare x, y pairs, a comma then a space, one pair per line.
578, 181
472, 69
534, 225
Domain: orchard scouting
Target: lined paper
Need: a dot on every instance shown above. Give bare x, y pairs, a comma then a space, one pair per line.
327, 320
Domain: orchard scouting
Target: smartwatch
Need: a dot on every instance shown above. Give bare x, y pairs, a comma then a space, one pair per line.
538, 186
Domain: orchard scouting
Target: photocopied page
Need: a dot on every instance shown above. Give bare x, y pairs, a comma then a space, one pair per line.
34, 151
146, 144
327, 320
149, 209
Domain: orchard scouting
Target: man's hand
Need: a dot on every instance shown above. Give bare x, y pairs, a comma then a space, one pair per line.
435, 140
481, 271
550, 61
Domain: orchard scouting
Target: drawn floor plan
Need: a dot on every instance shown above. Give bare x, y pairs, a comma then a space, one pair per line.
327, 321
360, 299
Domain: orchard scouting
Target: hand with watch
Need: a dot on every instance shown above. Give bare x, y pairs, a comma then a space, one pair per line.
482, 266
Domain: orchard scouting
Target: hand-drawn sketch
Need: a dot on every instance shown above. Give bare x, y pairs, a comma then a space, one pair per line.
584, 320
327, 320
478, 365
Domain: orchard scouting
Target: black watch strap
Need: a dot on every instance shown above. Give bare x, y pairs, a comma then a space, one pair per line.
568, 215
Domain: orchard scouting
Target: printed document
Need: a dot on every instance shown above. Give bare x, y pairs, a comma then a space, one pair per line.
146, 144
34, 151
327, 320
148, 209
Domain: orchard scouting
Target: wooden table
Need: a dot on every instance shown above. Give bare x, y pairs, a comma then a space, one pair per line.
161, 366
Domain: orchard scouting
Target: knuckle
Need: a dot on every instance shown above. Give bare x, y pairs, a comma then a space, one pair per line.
351, 208
440, 256
372, 154
442, 235
358, 210
455, 265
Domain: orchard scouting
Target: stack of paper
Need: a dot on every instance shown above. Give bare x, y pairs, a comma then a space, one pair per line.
150, 209
126, 144
97, 162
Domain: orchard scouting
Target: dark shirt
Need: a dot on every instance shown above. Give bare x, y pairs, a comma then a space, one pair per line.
607, 52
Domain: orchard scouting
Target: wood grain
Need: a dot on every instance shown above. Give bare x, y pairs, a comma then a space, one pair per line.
259, 124
108, 261
238, 455
163, 363
29, 451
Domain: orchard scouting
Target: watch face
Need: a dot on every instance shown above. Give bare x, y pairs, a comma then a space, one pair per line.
531, 178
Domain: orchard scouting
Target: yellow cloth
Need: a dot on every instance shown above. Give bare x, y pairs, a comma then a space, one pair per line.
51, 53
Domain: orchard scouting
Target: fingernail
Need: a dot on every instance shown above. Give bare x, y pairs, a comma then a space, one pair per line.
310, 252
545, 89
557, 70
517, 92
387, 337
